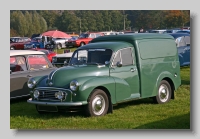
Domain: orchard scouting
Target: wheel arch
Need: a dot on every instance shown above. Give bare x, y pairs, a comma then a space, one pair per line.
170, 79
171, 85
12, 46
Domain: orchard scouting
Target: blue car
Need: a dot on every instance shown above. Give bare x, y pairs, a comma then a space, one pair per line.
183, 45
183, 31
35, 43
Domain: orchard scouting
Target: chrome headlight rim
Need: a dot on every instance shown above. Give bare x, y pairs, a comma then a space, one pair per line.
59, 95
31, 83
36, 94
54, 59
74, 85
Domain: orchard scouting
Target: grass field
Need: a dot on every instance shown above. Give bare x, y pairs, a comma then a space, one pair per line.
138, 114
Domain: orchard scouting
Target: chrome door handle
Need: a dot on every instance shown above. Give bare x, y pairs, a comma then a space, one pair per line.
132, 70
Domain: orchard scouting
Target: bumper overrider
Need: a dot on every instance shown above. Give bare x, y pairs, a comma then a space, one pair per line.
54, 97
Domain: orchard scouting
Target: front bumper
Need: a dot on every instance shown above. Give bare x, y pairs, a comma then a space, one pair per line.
73, 44
57, 103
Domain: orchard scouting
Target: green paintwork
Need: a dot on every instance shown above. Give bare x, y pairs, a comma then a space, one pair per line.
155, 58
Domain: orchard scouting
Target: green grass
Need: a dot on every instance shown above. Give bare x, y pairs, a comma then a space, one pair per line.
138, 114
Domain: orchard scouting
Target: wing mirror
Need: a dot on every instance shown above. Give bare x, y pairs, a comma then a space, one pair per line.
107, 62
119, 64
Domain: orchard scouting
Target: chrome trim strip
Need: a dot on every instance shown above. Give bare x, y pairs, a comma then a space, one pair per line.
21, 96
53, 73
57, 103
51, 88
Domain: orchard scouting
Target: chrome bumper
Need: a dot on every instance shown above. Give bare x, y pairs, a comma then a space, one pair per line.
57, 103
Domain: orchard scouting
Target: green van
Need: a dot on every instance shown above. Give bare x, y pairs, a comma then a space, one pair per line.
111, 70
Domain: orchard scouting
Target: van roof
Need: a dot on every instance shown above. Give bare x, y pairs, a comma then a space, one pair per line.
130, 37
113, 45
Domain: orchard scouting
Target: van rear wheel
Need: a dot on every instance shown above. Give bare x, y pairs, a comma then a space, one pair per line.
164, 93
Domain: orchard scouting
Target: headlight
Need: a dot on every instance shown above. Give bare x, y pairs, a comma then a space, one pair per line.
74, 85
31, 83
36, 94
59, 94
54, 59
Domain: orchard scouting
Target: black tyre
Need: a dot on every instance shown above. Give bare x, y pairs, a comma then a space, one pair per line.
98, 103
82, 43
164, 93
59, 46
12, 48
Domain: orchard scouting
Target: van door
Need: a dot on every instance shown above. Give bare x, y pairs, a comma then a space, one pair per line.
125, 73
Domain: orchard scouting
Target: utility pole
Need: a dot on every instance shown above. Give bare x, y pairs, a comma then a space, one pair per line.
80, 25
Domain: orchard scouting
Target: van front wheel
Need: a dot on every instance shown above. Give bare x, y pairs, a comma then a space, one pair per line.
164, 93
97, 103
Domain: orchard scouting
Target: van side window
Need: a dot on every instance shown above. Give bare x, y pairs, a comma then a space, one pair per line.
124, 56
117, 58
127, 58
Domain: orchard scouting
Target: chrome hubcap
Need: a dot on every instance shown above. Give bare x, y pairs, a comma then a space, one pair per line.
98, 105
163, 93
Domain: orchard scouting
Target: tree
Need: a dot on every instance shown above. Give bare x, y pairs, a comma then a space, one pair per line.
91, 21
107, 20
50, 17
99, 21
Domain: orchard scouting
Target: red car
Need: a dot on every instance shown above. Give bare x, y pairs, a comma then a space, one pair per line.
83, 39
17, 43
48, 53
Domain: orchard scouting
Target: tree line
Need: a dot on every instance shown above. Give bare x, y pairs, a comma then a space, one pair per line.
28, 22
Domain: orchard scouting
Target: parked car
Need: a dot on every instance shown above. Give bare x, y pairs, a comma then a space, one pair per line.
183, 45
17, 43
183, 31
74, 38
172, 30
60, 42
111, 69
83, 39
25, 64
50, 54
60, 60
34, 43
161, 31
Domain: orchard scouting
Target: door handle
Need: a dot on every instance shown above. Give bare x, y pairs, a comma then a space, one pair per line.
133, 69
29, 75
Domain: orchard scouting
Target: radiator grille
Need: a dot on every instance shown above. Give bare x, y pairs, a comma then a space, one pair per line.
48, 95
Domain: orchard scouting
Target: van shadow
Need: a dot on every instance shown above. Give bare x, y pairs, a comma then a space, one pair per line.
21, 108
185, 82
135, 102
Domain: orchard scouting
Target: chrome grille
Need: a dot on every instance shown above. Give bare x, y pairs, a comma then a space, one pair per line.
48, 93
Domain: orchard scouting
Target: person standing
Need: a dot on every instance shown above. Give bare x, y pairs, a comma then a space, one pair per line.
140, 30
